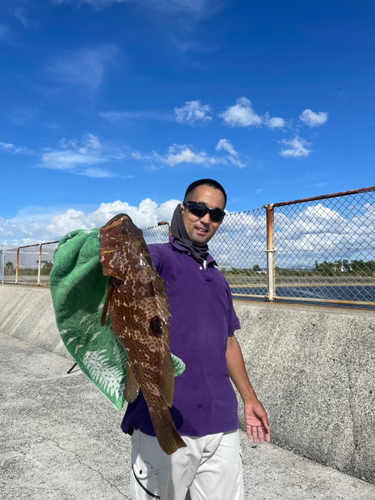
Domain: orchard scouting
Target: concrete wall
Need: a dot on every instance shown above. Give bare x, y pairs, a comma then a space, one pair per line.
27, 314
312, 368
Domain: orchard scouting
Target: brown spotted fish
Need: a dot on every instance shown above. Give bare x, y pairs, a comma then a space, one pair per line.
137, 304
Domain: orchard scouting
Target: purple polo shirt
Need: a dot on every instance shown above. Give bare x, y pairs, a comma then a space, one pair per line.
202, 318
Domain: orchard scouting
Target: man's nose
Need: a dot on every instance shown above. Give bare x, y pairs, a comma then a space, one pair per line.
206, 219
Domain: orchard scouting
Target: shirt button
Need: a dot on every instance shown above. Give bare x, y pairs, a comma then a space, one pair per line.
201, 268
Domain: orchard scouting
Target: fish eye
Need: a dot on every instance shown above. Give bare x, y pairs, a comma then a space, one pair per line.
126, 230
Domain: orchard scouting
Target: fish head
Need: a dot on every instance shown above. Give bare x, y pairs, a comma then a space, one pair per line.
121, 242
120, 222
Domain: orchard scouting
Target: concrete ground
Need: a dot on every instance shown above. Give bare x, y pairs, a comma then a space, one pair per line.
61, 440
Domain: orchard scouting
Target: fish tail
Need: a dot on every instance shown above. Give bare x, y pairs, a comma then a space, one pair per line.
165, 430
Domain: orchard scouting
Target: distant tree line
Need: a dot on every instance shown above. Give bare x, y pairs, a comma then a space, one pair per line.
44, 271
358, 267
325, 268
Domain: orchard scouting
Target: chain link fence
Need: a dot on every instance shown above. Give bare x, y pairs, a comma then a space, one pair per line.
8, 263
318, 250
238, 248
32, 264
156, 234
28, 265
325, 249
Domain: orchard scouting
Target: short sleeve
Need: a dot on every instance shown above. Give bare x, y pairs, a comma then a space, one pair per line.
155, 256
233, 321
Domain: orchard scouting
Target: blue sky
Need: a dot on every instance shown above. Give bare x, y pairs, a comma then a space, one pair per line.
111, 105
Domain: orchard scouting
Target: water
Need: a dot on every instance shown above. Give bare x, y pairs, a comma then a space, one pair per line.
352, 293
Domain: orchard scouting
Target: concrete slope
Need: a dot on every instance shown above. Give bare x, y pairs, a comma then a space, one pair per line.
61, 440
26, 313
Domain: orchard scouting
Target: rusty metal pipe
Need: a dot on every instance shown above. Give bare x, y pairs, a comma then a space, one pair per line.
2, 266
252, 296
329, 301
324, 197
270, 253
37, 244
39, 262
17, 262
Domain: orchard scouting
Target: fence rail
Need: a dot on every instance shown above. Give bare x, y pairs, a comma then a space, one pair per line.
319, 250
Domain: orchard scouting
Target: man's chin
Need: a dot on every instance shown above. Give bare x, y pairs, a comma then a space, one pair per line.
200, 242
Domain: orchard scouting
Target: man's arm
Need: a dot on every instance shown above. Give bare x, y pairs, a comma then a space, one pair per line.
255, 415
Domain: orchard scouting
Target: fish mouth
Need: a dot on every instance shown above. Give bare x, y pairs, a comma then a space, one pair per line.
114, 222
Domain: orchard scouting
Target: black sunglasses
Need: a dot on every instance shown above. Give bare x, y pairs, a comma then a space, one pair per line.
200, 210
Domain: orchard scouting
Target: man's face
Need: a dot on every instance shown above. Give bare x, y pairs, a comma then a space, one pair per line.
201, 230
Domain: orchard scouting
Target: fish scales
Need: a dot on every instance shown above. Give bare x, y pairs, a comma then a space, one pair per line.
138, 308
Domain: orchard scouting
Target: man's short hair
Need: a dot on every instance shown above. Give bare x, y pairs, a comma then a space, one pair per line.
206, 182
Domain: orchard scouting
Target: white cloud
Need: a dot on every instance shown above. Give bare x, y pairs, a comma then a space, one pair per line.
236, 162
86, 67
313, 119
11, 148
302, 236
21, 16
116, 116
232, 158
241, 114
273, 123
136, 155
69, 160
297, 150
178, 154
21, 115
39, 228
192, 6
193, 113
77, 157
225, 145
82, 157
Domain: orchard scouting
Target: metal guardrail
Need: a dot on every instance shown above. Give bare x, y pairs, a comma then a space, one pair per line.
32, 264
319, 250
332, 236
28, 265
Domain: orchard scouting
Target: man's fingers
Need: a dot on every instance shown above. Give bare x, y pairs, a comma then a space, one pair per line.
256, 432
261, 435
248, 431
267, 431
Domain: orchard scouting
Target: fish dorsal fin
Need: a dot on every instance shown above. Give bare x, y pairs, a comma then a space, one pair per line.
166, 377
131, 390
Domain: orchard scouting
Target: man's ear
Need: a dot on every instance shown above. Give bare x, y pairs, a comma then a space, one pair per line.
182, 209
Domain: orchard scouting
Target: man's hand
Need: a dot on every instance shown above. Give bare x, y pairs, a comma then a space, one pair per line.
256, 420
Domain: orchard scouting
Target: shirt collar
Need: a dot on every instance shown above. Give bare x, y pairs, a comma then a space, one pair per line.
210, 259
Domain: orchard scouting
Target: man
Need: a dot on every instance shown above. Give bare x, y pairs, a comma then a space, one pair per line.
202, 326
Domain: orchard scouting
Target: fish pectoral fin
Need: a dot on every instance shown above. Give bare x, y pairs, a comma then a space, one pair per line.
166, 377
103, 317
131, 390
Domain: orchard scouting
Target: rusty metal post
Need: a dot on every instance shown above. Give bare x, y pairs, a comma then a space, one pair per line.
2, 265
270, 253
39, 262
17, 262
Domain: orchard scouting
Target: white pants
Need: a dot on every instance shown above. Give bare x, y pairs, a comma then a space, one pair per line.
209, 466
